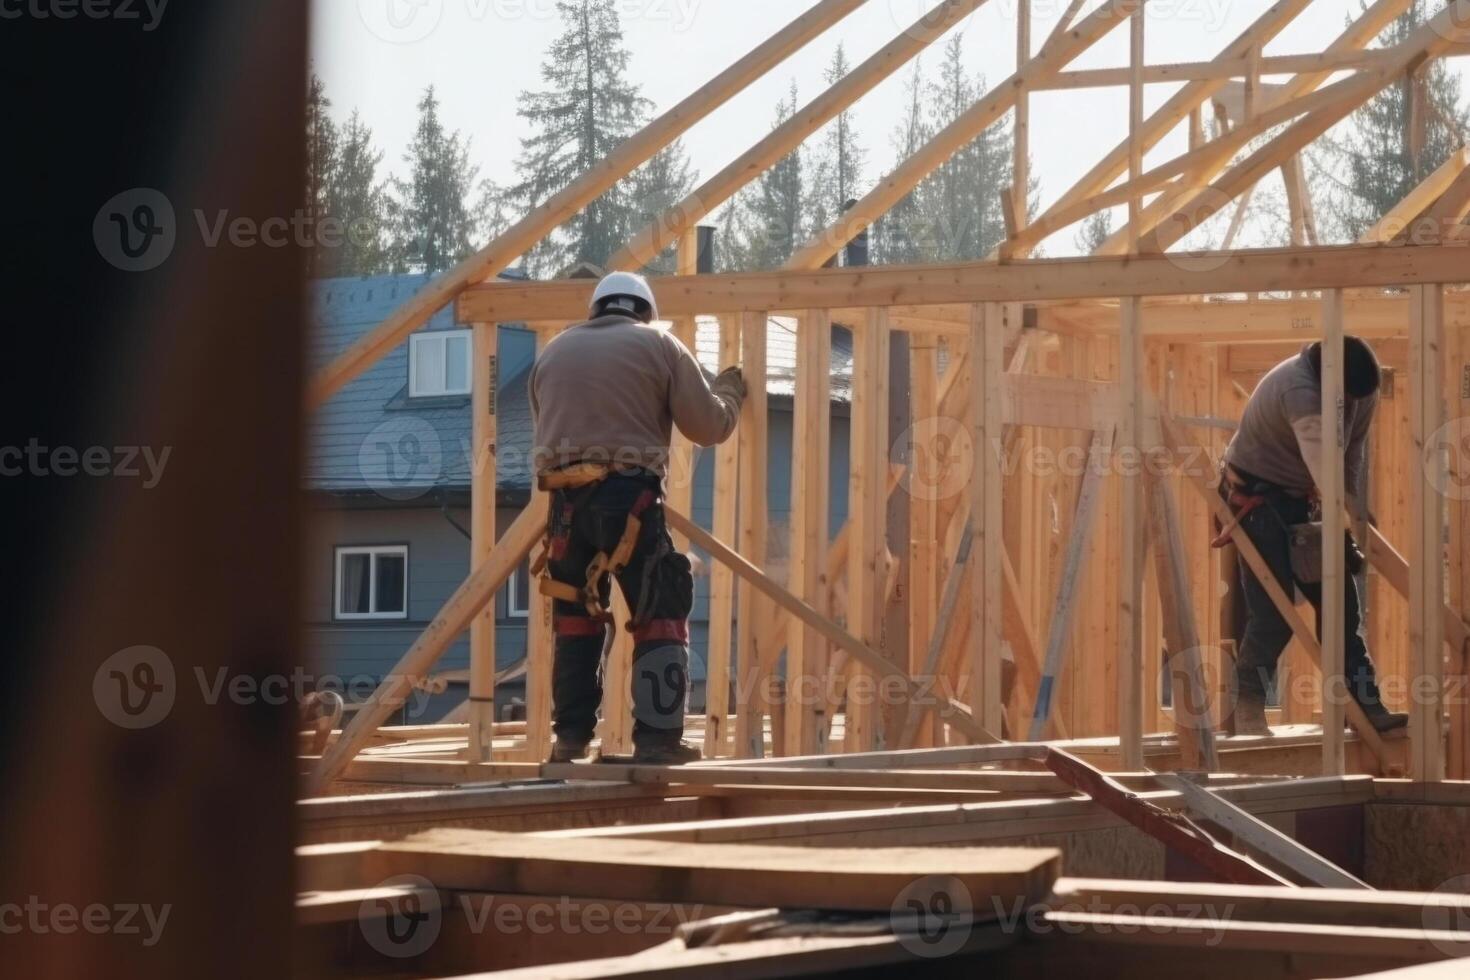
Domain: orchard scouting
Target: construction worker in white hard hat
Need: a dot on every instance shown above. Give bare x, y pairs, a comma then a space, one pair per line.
605, 396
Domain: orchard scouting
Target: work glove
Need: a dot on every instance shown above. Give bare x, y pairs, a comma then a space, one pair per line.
730, 385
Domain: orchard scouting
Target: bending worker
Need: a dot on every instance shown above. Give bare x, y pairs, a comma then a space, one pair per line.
605, 395
1270, 479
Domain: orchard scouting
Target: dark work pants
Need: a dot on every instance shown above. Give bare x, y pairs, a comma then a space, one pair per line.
659, 589
1266, 632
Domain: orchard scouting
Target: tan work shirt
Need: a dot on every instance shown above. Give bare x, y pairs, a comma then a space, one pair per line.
610, 391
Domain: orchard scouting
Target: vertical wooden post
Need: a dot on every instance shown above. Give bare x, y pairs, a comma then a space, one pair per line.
807, 651
987, 353
867, 518
924, 474
483, 341
1456, 361
682, 452
1426, 542
1131, 541
721, 578
540, 641
1334, 690
1021, 132
1135, 119
752, 608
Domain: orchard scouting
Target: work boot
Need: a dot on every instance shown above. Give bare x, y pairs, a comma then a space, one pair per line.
1384, 720
666, 753
1250, 716
563, 751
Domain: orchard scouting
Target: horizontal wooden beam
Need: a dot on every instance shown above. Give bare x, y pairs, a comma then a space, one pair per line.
1031, 280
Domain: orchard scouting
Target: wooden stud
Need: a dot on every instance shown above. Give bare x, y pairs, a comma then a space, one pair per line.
806, 656
721, 579
867, 517
1130, 544
481, 704
1334, 575
682, 453
1021, 124
751, 609
1426, 542
926, 469
985, 696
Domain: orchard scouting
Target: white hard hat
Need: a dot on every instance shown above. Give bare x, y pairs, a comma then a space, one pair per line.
623, 284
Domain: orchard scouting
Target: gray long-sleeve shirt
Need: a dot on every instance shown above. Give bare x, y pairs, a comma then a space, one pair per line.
611, 389
1281, 432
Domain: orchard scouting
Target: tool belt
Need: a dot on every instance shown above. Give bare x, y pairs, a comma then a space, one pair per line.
578, 476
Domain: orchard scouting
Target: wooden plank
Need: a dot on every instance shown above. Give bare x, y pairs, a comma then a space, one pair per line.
1261, 837
1426, 547
649, 241
850, 879
1028, 280
540, 645
985, 697
1174, 830
1192, 717
751, 611
1334, 574
928, 464
1418, 200
1131, 396
807, 651
452, 620
481, 704
717, 734
622, 160
679, 485
867, 519
1067, 585
999, 781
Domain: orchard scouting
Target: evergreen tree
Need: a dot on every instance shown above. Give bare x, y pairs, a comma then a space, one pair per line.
654, 189
899, 236
322, 162
431, 216
587, 108
959, 203
1094, 231
771, 211
1399, 137
358, 204
837, 172
493, 210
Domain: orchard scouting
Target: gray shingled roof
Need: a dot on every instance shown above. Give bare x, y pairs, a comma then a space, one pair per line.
371, 438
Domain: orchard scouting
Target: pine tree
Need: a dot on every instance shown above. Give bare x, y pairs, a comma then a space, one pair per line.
1399, 137
1094, 231
431, 217
358, 204
960, 202
770, 218
654, 189
322, 162
587, 108
899, 236
837, 171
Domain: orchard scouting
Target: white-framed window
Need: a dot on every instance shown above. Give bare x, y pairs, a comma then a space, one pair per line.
439, 363
518, 593
372, 582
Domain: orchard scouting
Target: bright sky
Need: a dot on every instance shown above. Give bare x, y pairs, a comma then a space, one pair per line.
378, 55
